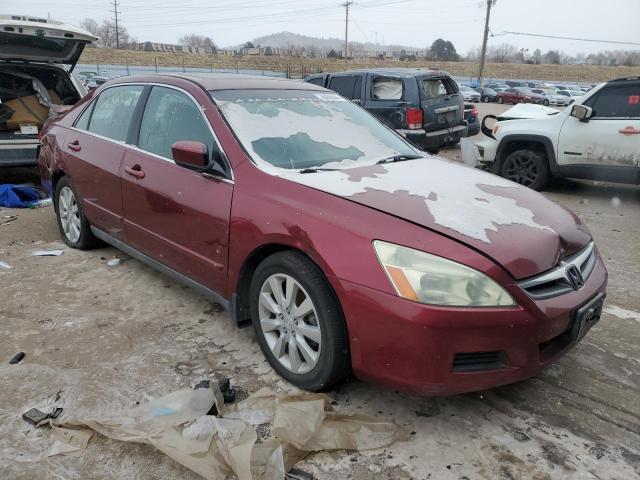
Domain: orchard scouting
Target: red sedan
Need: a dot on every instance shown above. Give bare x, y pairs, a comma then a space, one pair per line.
512, 95
344, 246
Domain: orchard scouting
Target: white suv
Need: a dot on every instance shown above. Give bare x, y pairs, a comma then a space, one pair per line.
37, 57
598, 138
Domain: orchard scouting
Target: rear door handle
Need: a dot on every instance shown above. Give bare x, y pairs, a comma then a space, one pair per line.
75, 146
629, 131
136, 171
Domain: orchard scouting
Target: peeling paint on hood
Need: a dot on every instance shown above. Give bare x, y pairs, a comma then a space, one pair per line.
516, 226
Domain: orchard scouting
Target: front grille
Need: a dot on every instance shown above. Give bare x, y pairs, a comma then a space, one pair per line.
562, 279
477, 361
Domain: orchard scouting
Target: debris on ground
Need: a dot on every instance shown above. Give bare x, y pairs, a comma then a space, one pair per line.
216, 446
7, 219
46, 253
45, 202
17, 358
297, 474
117, 261
38, 418
5, 266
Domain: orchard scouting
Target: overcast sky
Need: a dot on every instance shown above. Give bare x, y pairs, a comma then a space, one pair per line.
408, 22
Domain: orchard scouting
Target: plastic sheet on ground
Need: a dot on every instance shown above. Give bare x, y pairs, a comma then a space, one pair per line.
177, 424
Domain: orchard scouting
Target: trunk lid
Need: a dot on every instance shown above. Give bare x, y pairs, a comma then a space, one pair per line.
31, 39
515, 226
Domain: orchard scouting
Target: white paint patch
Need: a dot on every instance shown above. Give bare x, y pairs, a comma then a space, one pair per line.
452, 193
622, 313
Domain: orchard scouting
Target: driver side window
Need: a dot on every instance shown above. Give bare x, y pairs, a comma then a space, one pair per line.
171, 116
620, 101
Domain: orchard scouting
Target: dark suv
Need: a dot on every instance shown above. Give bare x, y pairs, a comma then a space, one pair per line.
423, 105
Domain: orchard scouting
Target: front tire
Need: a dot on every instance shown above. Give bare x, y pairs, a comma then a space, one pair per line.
298, 322
545, 102
74, 226
526, 167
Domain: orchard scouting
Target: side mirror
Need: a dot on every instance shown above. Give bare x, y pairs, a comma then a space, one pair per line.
581, 112
192, 155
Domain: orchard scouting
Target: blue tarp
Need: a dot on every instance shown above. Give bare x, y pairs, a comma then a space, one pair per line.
17, 196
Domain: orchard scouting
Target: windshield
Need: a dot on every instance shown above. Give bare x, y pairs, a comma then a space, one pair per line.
298, 129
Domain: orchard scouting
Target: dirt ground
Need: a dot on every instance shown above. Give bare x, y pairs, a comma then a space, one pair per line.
100, 338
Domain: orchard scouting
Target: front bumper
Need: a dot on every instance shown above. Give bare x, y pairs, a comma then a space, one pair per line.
479, 153
430, 140
410, 346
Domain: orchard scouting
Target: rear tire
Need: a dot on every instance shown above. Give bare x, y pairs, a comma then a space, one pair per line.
545, 102
526, 167
298, 322
485, 99
74, 226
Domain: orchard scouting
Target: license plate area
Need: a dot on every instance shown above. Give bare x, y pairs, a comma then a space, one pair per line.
586, 317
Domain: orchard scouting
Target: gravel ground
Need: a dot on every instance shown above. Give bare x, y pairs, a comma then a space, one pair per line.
98, 338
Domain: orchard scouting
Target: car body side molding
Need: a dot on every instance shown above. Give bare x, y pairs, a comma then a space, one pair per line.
170, 272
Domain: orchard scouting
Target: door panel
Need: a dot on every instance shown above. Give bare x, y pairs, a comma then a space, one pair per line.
178, 217
175, 215
386, 99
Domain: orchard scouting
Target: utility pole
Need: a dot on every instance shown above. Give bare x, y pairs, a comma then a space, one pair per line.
483, 53
116, 12
346, 5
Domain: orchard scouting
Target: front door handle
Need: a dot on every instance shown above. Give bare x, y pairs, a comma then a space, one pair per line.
75, 146
136, 171
629, 130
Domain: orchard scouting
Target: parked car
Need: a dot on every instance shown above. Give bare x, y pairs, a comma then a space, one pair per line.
515, 83
571, 95
551, 96
36, 60
594, 138
469, 94
488, 95
497, 86
533, 97
513, 95
423, 105
346, 247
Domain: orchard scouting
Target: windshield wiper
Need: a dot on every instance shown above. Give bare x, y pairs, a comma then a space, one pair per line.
398, 158
314, 170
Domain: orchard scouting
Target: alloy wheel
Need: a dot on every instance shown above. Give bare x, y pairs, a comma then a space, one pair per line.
522, 169
69, 214
289, 323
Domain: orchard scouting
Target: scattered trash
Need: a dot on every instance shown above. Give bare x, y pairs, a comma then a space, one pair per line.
217, 446
615, 202
35, 417
17, 358
47, 253
45, 202
8, 218
5, 266
117, 261
18, 196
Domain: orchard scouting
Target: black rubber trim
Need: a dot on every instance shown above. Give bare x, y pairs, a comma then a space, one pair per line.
486, 130
546, 143
136, 120
170, 272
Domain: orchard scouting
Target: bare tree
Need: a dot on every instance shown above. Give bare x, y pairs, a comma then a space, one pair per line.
502, 53
199, 41
106, 32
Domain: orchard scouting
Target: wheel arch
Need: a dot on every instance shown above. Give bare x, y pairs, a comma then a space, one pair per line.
539, 143
239, 309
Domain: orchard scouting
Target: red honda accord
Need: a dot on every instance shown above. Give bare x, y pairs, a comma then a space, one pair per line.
344, 246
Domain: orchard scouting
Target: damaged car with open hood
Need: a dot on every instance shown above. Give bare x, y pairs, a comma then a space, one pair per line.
597, 138
37, 57
345, 247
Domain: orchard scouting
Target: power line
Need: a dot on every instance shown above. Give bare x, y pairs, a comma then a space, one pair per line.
483, 52
563, 38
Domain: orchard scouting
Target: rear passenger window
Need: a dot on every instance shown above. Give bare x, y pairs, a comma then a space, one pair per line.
113, 111
387, 88
317, 81
345, 86
83, 122
171, 116
437, 87
622, 101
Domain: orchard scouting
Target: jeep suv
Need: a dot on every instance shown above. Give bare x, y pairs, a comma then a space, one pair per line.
425, 106
37, 57
597, 138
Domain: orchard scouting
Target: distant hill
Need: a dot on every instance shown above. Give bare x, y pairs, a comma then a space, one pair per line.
295, 40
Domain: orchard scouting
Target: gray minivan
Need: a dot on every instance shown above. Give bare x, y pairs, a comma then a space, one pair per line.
423, 105
37, 57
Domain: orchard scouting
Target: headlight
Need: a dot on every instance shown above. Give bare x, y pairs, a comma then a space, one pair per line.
427, 278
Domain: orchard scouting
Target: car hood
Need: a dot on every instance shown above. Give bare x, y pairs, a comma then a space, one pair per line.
27, 39
527, 110
517, 227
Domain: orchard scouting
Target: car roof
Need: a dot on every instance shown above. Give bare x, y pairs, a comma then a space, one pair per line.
225, 81
400, 72
624, 79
